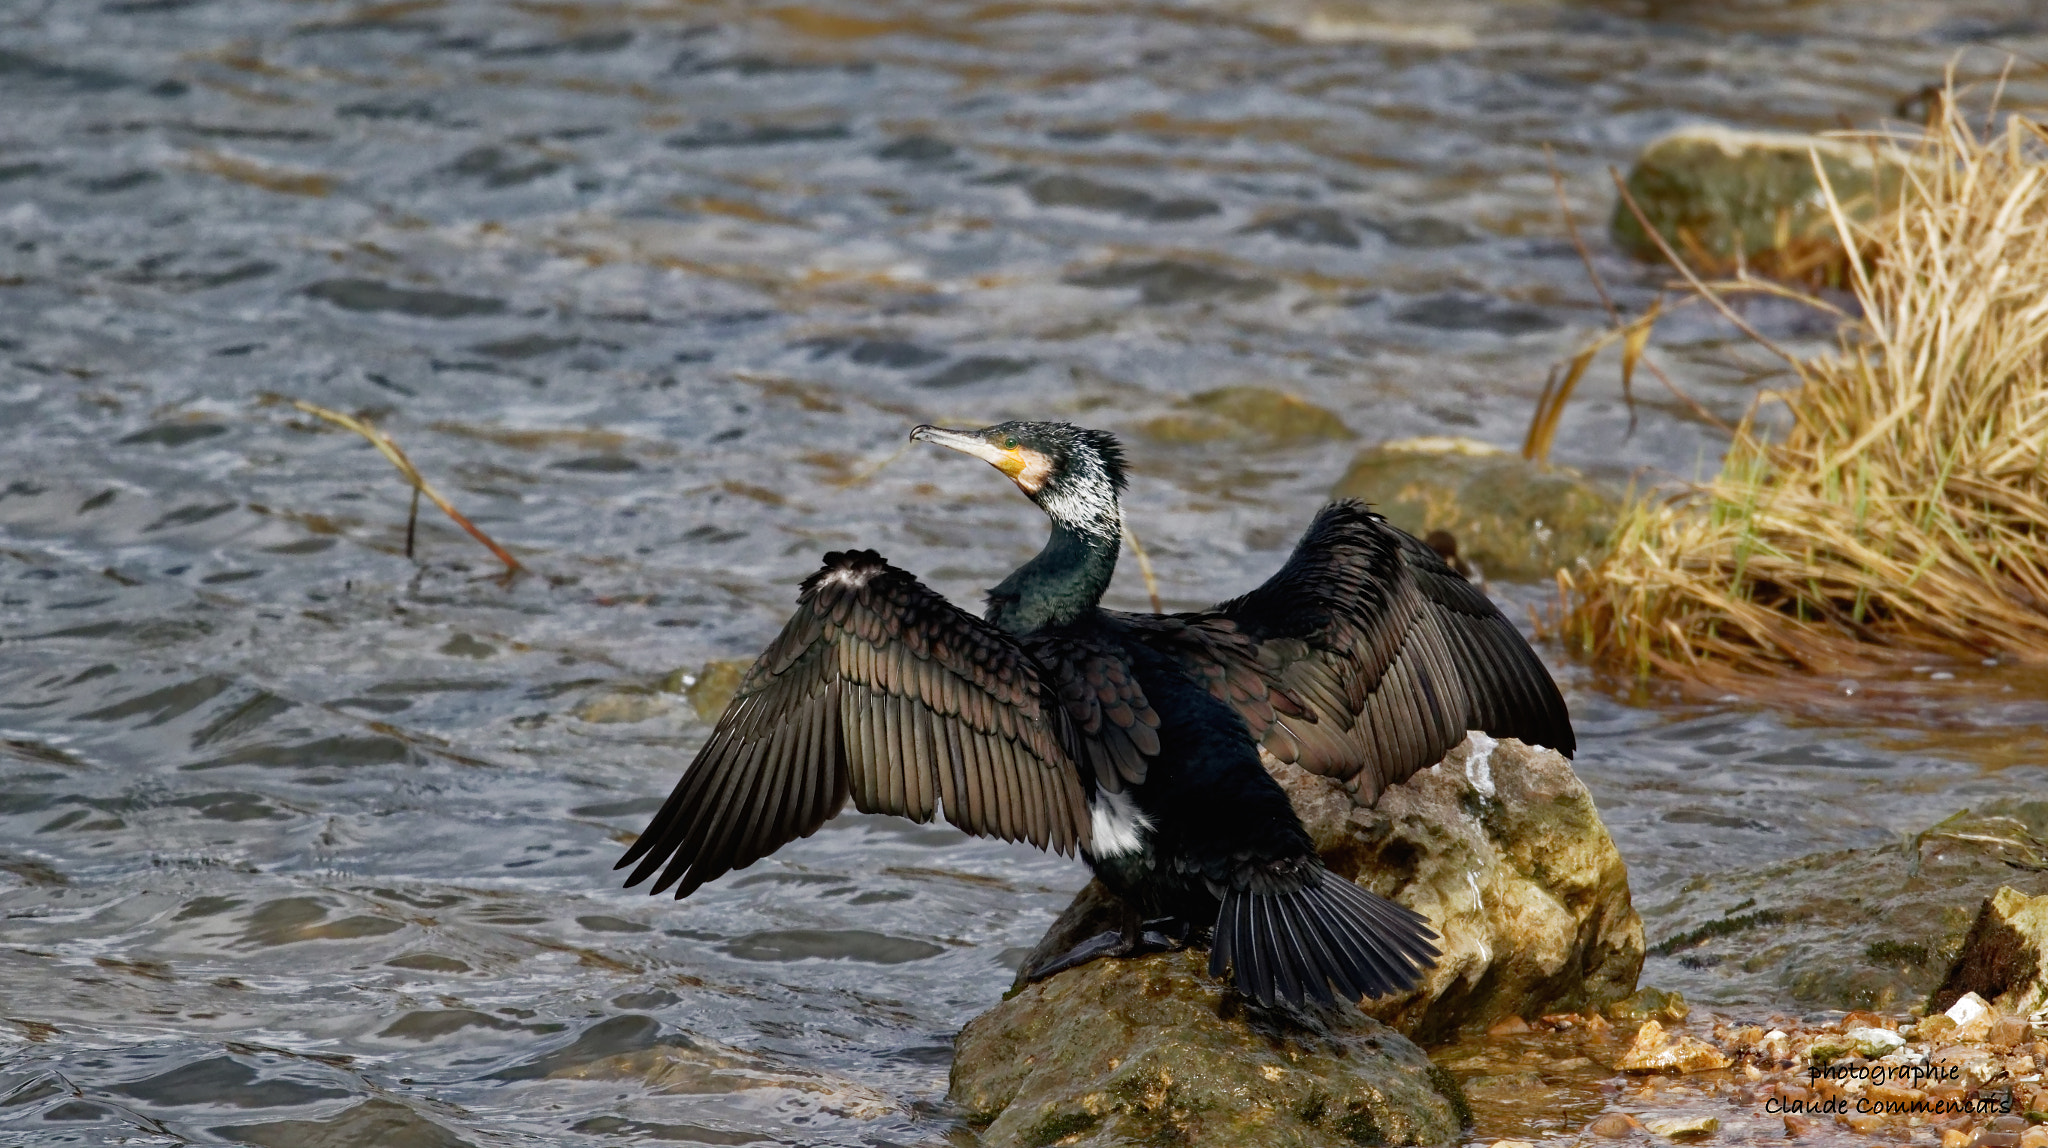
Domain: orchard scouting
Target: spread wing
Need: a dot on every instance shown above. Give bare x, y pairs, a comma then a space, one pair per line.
1116, 730
880, 689
1365, 657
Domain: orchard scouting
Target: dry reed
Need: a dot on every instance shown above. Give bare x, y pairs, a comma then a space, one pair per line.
1907, 506
420, 486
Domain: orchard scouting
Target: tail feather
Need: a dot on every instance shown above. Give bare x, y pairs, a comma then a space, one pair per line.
1408, 929
1298, 944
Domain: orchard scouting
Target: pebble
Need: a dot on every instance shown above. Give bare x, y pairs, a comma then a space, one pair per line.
1612, 1125
1684, 1127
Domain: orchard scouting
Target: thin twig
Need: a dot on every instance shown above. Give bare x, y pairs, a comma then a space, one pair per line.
412, 521
1571, 227
1145, 568
1705, 291
405, 467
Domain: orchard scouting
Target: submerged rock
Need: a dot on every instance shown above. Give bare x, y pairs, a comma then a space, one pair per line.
1260, 413
1512, 519
1152, 1051
1853, 928
1722, 198
1499, 845
2004, 957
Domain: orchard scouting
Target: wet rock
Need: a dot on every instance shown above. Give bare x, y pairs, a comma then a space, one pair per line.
633, 1048
1261, 413
1153, 1051
1512, 519
1648, 1003
1657, 1051
1684, 1127
1872, 1043
1855, 928
1720, 197
709, 688
1499, 845
1611, 1126
622, 708
2004, 957
383, 1123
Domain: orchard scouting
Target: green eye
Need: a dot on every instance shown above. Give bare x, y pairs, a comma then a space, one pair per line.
1010, 442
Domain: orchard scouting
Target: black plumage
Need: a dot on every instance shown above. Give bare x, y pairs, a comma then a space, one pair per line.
1133, 738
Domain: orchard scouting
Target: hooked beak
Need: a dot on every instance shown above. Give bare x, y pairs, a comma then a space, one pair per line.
966, 443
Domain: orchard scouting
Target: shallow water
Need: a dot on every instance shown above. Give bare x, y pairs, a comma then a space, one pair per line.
295, 829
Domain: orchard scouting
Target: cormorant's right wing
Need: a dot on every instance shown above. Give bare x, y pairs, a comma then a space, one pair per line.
1365, 657
881, 689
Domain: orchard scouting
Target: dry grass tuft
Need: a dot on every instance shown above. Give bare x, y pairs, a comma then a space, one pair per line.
1907, 507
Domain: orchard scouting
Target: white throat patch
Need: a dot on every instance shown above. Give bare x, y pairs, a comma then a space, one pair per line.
1117, 823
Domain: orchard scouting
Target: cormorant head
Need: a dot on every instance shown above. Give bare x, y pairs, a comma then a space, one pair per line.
1074, 474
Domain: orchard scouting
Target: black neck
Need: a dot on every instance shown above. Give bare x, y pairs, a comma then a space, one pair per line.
1063, 582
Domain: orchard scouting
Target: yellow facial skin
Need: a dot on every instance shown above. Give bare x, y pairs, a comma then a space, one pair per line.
1028, 468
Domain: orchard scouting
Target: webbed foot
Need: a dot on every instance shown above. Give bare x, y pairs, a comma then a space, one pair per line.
1161, 935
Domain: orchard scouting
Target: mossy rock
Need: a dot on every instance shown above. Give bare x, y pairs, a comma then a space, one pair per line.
1513, 520
1255, 413
1152, 1051
1722, 197
710, 688
1501, 848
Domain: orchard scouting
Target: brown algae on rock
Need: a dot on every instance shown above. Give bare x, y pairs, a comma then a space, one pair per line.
1152, 1050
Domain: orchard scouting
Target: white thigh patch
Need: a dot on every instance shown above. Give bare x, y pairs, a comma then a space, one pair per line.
1118, 824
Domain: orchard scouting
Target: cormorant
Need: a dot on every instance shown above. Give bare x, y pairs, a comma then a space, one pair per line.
1133, 738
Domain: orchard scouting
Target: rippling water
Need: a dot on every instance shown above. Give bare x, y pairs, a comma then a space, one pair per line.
295, 829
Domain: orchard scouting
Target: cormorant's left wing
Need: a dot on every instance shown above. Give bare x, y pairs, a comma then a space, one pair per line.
1365, 657
880, 689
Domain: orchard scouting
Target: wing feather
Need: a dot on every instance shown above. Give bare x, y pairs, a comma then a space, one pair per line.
1365, 657
880, 691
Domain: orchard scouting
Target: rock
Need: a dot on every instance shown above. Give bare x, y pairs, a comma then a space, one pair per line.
1151, 1050
1872, 1043
1683, 1127
1855, 928
1612, 1126
1274, 417
381, 1122
632, 1047
2004, 958
621, 706
1797, 1126
1512, 519
1724, 198
1507, 1026
1648, 1003
1499, 845
1656, 1051
709, 689
1972, 1017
